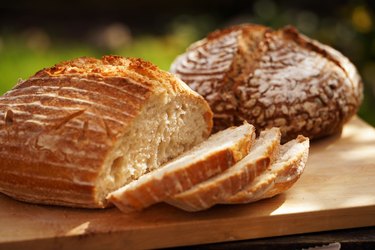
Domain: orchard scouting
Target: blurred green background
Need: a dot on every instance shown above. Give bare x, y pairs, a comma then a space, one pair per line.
38, 34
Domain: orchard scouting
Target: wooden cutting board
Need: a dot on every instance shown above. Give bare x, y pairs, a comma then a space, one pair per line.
336, 191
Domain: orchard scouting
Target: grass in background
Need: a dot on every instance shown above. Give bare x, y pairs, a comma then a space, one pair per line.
20, 58
19, 62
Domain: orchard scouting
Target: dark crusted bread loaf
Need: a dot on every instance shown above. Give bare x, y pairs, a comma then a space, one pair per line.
73, 133
272, 78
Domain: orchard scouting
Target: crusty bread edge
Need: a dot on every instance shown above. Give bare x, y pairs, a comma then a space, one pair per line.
274, 186
182, 179
202, 198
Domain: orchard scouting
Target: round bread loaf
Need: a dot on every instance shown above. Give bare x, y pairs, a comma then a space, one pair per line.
73, 133
272, 78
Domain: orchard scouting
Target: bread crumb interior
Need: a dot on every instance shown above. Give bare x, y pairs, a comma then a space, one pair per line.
166, 127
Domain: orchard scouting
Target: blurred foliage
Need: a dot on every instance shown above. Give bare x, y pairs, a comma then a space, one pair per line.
347, 26
22, 55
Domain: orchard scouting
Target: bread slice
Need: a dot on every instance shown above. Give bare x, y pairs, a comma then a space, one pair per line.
220, 187
77, 131
280, 176
208, 159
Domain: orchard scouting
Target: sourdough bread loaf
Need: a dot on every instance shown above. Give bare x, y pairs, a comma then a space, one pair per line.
73, 133
272, 78
213, 156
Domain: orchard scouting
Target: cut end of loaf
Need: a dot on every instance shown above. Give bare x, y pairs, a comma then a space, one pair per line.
173, 120
164, 129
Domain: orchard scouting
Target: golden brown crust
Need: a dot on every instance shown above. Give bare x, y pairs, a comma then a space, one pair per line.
272, 79
57, 127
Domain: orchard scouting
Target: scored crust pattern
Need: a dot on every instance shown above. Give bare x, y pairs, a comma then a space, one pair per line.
272, 78
60, 127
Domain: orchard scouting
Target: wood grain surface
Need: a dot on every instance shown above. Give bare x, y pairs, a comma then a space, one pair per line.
335, 192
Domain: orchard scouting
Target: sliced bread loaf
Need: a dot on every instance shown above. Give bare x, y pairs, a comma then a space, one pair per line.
280, 176
73, 133
208, 159
220, 187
